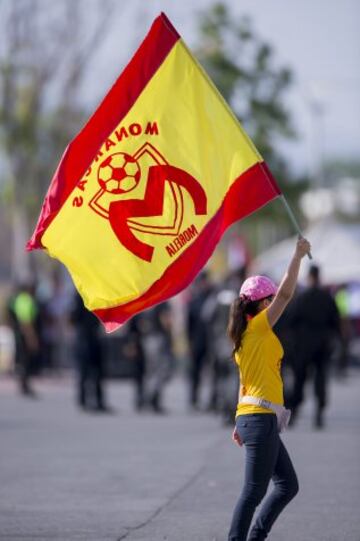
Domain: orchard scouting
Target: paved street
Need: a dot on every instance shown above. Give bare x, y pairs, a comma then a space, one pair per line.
70, 476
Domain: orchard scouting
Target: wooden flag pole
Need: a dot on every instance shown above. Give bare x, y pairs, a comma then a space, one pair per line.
293, 219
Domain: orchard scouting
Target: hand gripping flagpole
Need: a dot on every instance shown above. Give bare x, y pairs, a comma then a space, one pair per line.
293, 219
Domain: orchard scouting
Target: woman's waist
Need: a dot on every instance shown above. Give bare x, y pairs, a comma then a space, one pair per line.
258, 415
247, 406
273, 394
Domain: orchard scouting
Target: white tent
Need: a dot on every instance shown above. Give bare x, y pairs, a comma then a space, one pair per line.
335, 248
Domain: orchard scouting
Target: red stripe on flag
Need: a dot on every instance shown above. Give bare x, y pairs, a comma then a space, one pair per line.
82, 150
251, 190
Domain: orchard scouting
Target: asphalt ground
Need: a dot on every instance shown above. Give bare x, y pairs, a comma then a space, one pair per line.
68, 475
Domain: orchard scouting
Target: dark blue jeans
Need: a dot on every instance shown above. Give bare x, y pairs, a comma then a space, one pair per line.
266, 458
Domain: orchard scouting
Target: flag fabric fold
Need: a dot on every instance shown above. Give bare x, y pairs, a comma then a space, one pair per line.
145, 191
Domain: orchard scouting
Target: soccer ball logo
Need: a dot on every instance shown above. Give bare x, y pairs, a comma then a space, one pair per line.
119, 173
130, 216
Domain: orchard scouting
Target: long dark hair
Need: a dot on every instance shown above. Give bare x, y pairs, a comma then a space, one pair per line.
240, 309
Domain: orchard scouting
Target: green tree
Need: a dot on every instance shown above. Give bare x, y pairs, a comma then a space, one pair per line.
339, 168
243, 67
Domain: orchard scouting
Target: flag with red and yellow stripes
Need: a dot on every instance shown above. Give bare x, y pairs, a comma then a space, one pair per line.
145, 191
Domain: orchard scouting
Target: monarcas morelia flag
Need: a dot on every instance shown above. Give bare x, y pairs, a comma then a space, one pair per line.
145, 191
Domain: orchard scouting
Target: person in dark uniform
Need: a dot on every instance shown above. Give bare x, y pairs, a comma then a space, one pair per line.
224, 378
135, 351
316, 323
22, 311
160, 358
155, 358
197, 333
89, 357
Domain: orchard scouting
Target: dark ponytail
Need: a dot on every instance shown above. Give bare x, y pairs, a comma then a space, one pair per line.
240, 309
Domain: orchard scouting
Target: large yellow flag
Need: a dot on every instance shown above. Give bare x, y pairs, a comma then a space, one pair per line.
143, 194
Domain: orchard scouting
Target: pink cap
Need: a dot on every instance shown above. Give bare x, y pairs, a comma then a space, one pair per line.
258, 287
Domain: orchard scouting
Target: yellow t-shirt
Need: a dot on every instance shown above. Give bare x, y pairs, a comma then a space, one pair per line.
259, 362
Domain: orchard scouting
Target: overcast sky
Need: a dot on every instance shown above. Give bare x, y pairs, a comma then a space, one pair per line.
318, 39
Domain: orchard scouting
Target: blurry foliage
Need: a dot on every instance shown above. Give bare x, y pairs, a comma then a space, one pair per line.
343, 178
242, 67
335, 170
45, 51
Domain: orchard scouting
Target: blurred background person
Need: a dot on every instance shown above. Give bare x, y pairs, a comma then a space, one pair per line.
134, 350
54, 312
223, 375
198, 335
316, 325
156, 337
342, 299
89, 359
23, 312
284, 330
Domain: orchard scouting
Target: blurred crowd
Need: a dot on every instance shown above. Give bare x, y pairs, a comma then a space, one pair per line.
53, 332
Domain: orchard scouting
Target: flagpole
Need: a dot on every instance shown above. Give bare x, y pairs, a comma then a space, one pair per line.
293, 219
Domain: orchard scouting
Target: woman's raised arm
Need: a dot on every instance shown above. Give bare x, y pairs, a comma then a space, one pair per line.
288, 283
